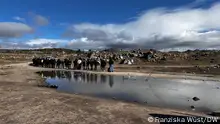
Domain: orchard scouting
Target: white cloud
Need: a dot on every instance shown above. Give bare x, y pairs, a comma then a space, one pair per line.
39, 20
19, 19
34, 44
41, 41
13, 29
83, 43
45, 43
160, 28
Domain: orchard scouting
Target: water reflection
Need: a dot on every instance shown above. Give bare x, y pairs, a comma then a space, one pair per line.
103, 78
68, 75
111, 82
171, 93
77, 76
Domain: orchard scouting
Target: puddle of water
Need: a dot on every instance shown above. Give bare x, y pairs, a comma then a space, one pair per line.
168, 93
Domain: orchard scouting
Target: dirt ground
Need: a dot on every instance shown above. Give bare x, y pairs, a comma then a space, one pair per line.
23, 101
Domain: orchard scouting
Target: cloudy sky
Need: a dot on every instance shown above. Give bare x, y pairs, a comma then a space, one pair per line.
91, 24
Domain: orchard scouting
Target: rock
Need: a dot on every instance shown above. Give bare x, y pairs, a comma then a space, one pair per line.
113, 98
192, 107
55, 86
195, 98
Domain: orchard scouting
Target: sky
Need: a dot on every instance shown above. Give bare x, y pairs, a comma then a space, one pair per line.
98, 24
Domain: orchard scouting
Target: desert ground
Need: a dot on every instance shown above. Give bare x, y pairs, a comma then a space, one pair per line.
23, 100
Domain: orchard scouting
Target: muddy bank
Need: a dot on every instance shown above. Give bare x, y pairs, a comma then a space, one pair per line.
22, 101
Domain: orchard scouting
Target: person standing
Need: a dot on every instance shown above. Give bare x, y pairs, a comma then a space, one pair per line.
58, 63
95, 64
84, 63
91, 64
103, 64
87, 63
79, 63
111, 65
75, 63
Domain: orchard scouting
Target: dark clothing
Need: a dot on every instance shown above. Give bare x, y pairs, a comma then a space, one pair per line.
111, 62
103, 64
58, 63
75, 64
87, 64
84, 64
95, 64
111, 65
91, 64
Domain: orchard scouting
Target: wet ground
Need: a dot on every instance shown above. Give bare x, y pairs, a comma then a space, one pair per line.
183, 94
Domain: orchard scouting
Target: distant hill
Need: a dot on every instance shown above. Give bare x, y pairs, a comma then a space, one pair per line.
45, 51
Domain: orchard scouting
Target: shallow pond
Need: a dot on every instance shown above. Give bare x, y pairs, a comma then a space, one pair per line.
198, 95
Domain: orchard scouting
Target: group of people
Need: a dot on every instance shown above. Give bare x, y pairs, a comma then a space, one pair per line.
77, 64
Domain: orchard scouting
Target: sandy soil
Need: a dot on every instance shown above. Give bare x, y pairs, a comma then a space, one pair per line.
22, 101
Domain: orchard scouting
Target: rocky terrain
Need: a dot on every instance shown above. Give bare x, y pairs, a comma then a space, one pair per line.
194, 62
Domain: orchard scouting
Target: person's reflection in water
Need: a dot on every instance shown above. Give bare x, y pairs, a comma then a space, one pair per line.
79, 77
53, 74
103, 78
111, 81
62, 74
96, 78
87, 78
59, 74
92, 78
75, 76
68, 75
83, 77
72, 74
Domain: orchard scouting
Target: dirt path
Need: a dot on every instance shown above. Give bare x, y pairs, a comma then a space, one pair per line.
22, 101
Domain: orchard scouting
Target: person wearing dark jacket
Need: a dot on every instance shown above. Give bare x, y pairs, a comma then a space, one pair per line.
75, 64
95, 64
91, 61
111, 65
87, 64
84, 64
58, 63
103, 64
